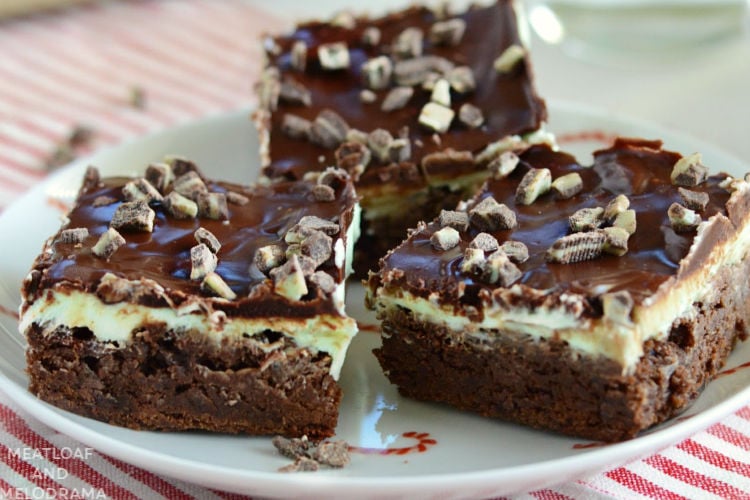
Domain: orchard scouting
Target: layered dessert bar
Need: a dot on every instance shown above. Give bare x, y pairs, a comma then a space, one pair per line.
172, 302
594, 301
415, 105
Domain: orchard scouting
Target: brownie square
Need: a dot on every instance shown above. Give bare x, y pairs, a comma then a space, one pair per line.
417, 105
174, 302
595, 301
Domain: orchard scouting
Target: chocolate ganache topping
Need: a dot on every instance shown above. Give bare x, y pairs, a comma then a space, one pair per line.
640, 170
220, 242
432, 81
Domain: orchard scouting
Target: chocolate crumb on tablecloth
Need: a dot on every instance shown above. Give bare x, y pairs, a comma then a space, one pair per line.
137, 97
67, 150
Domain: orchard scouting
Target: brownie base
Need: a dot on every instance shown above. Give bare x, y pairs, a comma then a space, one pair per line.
178, 381
547, 385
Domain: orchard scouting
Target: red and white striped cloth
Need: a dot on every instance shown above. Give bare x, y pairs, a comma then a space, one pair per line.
194, 58
78, 67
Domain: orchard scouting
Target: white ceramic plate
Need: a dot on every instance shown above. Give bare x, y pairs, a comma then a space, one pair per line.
461, 455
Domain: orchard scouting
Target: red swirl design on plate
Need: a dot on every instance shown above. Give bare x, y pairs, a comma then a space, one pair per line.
731, 371
424, 442
593, 444
58, 204
605, 138
366, 327
9, 312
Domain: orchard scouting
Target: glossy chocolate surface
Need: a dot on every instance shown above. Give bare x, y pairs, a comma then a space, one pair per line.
639, 169
164, 254
508, 101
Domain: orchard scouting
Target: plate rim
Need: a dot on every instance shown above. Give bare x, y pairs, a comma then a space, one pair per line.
273, 483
